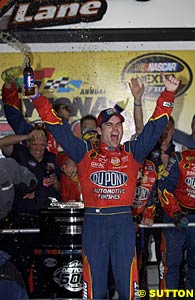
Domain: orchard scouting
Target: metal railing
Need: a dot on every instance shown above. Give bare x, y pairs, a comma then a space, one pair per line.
37, 230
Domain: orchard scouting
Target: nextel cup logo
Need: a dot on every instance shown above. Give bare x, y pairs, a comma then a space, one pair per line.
148, 67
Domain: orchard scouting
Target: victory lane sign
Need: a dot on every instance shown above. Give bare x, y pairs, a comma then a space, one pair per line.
31, 14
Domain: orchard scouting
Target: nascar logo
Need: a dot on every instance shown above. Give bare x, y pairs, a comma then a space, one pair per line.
190, 182
147, 68
109, 178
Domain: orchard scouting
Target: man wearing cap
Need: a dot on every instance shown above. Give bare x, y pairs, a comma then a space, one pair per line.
108, 177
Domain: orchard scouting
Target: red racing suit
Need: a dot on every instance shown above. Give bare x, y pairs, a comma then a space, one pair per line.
108, 179
177, 193
122, 163
177, 186
145, 183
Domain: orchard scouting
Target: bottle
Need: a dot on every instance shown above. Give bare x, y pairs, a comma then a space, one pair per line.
46, 177
13, 72
28, 79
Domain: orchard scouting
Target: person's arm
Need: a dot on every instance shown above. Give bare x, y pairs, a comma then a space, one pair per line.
166, 186
137, 90
7, 142
154, 127
183, 139
12, 108
20, 173
60, 129
12, 139
24, 180
10, 93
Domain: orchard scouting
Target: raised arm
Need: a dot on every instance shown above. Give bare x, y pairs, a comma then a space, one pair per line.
59, 128
12, 108
137, 90
24, 180
154, 127
7, 142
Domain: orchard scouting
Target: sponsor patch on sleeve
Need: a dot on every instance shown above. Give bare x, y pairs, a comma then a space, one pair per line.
167, 104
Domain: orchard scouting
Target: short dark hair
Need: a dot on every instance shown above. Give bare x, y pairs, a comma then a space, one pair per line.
57, 106
88, 117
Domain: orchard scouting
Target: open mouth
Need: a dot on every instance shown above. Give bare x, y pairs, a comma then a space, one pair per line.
114, 137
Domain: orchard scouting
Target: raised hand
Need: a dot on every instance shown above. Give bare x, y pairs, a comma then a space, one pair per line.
137, 88
171, 83
31, 96
36, 134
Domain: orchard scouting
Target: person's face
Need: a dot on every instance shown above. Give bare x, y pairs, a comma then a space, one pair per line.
167, 134
37, 147
88, 124
64, 113
111, 132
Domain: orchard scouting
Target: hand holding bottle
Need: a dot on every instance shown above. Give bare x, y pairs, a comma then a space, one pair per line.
29, 79
50, 177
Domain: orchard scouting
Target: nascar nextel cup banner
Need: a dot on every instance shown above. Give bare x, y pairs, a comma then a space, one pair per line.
92, 81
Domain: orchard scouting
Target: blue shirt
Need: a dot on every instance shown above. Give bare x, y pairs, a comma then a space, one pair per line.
184, 139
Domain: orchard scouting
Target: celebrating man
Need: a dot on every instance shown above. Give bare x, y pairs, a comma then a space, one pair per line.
108, 177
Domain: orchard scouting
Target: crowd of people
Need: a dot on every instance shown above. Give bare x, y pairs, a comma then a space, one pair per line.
145, 180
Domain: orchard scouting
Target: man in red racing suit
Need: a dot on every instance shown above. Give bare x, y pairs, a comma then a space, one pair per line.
177, 194
108, 177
